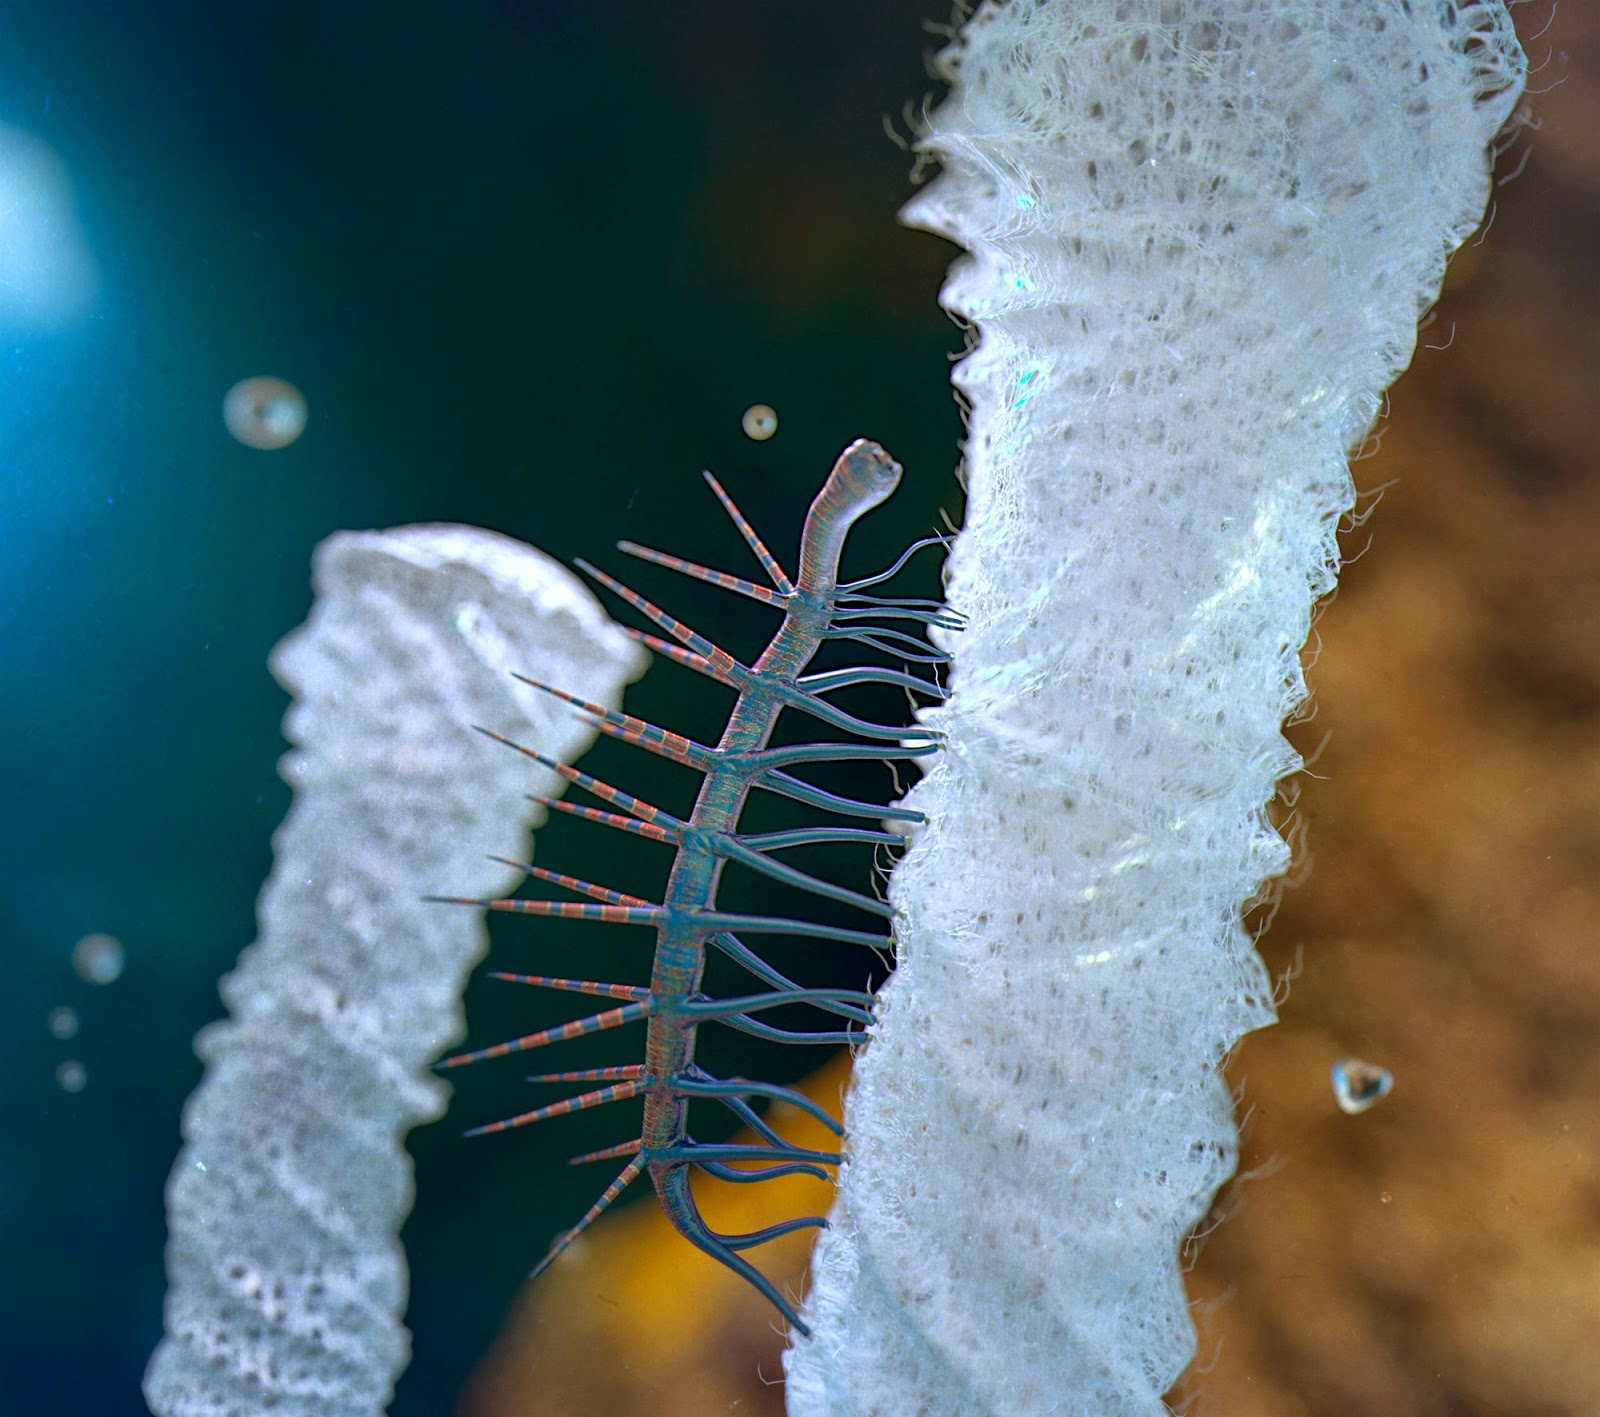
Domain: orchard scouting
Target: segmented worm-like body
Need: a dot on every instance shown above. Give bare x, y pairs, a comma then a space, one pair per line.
816, 609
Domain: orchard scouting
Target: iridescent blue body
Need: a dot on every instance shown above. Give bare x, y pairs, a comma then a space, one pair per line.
816, 609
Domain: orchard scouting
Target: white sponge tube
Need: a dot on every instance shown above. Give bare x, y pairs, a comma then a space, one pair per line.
286, 1281
1200, 234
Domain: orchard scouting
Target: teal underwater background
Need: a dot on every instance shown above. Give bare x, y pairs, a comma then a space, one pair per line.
528, 263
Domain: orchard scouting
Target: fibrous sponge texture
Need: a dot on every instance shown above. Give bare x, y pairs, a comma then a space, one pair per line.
1200, 233
286, 1278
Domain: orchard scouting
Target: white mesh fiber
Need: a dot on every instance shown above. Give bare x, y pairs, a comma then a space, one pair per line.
1200, 234
286, 1281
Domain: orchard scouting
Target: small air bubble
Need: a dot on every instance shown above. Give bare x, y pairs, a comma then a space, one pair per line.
1358, 1084
760, 422
72, 1076
63, 1023
98, 959
264, 412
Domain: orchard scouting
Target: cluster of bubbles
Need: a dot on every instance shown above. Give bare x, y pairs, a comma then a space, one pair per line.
96, 959
760, 422
1358, 1084
264, 412
99, 959
72, 1076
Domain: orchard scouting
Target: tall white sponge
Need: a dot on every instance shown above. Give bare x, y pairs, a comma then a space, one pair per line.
1200, 233
286, 1278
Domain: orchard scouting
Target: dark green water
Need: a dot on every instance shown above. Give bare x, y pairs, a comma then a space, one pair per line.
529, 263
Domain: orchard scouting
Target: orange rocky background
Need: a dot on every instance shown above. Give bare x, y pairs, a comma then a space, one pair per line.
1439, 1255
